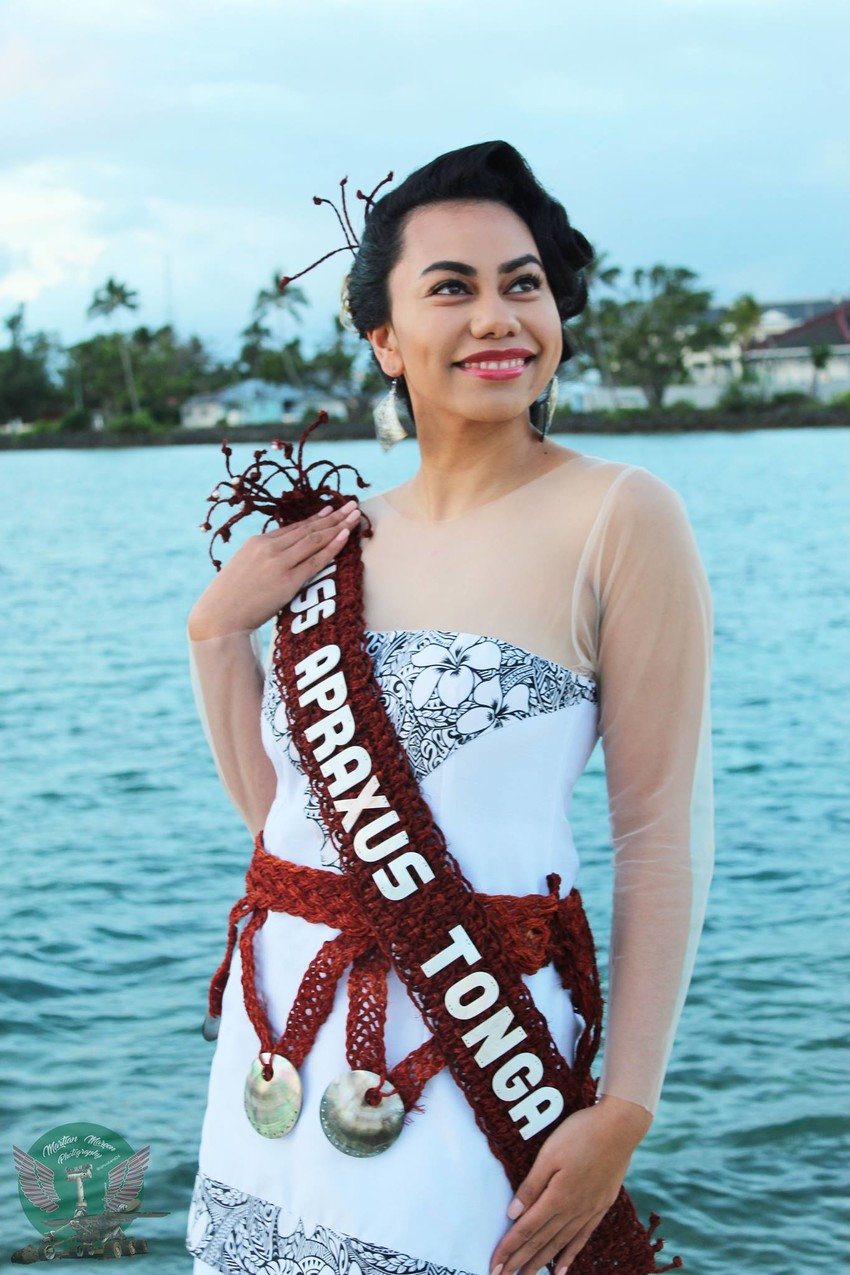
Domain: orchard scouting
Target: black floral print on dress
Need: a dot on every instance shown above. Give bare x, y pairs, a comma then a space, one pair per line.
241, 1234
442, 690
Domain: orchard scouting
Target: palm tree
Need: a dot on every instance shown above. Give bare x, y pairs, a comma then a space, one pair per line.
820, 354
742, 319
15, 325
253, 337
285, 303
597, 273
111, 297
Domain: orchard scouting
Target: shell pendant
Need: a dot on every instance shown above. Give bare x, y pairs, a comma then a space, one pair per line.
273, 1106
351, 1124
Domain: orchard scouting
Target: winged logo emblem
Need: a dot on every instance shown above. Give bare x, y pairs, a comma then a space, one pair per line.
36, 1181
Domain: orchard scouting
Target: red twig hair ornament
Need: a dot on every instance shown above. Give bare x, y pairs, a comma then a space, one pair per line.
352, 243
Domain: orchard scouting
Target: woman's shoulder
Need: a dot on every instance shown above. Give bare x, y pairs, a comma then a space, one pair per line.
596, 501
563, 466
640, 493
601, 483
579, 482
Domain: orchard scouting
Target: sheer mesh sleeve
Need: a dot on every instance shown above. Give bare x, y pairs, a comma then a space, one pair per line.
227, 675
653, 656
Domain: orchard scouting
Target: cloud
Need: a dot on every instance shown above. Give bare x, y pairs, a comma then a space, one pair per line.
241, 95
104, 15
21, 68
47, 229
827, 164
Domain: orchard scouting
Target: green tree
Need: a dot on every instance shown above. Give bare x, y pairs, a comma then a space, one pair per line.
591, 341
167, 372
282, 366
253, 348
111, 297
26, 387
336, 369
647, 335
740, 322
820, 354
286, 304
93, 373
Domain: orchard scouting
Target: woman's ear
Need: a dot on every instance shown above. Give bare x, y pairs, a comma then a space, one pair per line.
385, 348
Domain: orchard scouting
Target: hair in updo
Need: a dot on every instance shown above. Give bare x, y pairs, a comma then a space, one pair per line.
486, 171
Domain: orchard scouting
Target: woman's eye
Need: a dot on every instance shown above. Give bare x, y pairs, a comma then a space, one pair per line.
534, 280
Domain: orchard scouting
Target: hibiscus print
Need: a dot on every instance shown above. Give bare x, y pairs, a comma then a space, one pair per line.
442, 691
493, 708
449, 669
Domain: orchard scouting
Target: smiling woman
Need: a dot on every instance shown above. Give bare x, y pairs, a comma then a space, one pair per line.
443, 669
471, 191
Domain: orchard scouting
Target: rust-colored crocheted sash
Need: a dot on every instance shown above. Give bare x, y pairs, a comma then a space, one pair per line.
426, 918
536, 928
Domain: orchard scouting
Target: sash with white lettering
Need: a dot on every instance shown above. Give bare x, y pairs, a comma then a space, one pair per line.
427, 919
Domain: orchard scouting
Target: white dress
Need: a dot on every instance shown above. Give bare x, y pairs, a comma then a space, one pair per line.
499, 685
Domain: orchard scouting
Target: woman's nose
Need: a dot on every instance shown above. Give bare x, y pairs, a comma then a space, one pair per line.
494, 314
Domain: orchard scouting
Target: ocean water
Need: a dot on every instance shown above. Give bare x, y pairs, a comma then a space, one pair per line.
121, 854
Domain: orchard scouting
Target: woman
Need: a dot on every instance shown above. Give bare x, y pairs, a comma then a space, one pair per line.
522, 599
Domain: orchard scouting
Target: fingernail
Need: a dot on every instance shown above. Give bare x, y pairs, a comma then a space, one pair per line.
497, 1270
323, 512
515, 1208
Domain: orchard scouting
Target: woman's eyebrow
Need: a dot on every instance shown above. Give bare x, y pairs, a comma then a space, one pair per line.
460, 267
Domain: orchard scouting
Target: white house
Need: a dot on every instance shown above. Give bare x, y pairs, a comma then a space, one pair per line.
255, 402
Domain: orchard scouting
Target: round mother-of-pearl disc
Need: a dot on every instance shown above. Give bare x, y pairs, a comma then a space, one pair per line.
273, 1105
352, 1125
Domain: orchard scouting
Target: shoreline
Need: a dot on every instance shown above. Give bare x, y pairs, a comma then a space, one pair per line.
576, 423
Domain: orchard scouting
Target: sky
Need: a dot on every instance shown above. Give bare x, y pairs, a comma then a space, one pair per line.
176, 145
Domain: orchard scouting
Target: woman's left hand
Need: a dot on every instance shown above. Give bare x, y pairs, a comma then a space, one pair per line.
572, 1184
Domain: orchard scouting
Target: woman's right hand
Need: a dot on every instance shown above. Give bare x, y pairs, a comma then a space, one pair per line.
267, 571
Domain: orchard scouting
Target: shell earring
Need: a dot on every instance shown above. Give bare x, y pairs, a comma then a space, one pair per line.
388, 427
551, 402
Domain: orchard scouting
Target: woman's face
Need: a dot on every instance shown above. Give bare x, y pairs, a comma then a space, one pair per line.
469, 281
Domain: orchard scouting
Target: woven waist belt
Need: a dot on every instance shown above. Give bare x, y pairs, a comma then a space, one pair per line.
536, 929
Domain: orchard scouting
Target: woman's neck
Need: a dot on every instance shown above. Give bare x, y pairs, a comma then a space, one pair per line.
460, 470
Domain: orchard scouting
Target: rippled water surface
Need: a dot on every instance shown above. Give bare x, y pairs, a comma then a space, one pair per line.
121, 854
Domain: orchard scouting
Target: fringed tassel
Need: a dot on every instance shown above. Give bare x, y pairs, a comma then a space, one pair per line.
218, 982
657, 1246
310, 486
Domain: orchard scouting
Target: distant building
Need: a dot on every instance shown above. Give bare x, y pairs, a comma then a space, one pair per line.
782, 359
779, 354
586, 395
255, 402
202, 411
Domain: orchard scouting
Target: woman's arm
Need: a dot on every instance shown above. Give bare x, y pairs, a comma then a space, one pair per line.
654, 666
227, 680
227, 671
